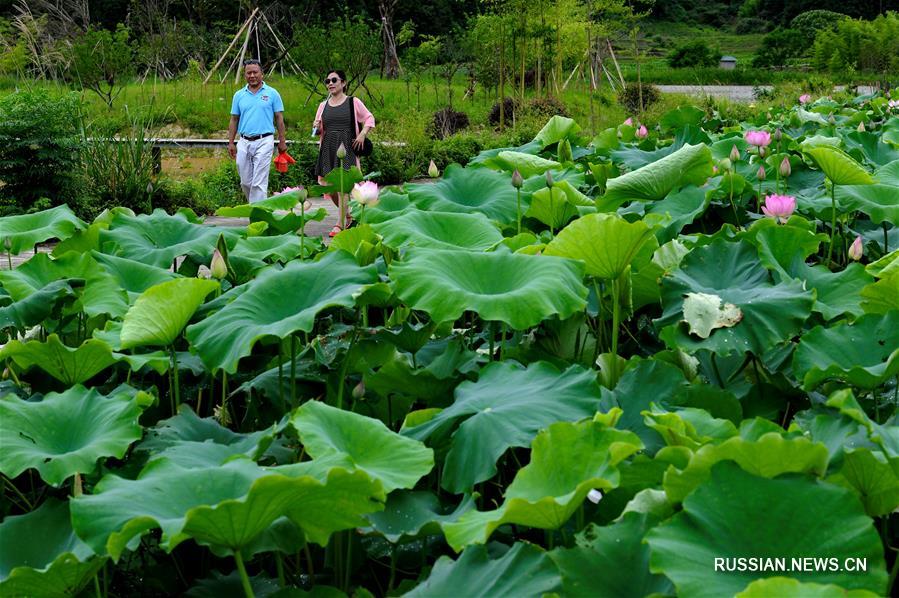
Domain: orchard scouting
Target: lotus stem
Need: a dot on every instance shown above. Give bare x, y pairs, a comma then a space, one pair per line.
732, 204
343, 368
175, 379
502, 341
244, 579
347, 568
833, 222
293, 370
303, 228
519, 211
97, 586
77, 487
600, 323
492, 334
886, 241
279, 565
281, 373
392, 579
616, 322
341, 207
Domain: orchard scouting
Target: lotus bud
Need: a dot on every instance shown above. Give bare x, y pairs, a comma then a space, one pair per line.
641, 132
549, 179
763, 151
805, 98
359, 390
432, 170
734, 154
861, 127
517, 181
785, 169
594, 496
768, 115
856, 250
761, 173
218, 267
725, 165
7, 244
149, 187
778, 134
341, 151
832, 120
629, 121
564, 152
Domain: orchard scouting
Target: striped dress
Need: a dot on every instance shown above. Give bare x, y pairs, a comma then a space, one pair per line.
337, 123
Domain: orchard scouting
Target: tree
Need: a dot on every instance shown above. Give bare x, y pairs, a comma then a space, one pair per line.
390, 64
101, 59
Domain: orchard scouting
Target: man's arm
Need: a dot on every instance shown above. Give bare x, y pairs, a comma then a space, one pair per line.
232, 133
282, 137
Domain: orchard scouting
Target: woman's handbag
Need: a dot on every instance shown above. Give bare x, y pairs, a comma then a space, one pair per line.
367, 146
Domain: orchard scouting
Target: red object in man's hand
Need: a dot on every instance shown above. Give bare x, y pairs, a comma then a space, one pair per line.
282, 161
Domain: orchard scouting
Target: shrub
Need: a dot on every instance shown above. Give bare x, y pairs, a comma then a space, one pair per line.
447, 122
629, 97
808, 24
509, 107
39, 143
693, 54
546, 108
101, 59
871, 46
778, 47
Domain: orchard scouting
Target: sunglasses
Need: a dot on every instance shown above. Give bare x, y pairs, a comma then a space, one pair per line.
332, 80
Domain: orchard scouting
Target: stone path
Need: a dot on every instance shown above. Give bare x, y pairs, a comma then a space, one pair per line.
313, 229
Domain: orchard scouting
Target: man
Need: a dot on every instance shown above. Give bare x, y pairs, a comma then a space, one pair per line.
252, 111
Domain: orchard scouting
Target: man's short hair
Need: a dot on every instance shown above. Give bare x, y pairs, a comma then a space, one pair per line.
250, 61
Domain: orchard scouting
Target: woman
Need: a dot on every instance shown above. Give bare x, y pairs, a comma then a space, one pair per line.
334, 121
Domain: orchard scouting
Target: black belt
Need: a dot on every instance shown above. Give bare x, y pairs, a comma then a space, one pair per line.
255, 137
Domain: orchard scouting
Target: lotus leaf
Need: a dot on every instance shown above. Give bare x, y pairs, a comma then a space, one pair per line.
607, 244
869, 147
408, 514
33, 309
691, 164
352, 441
731, 271
689, 427
556, 129
162, 311
231, 585
882, 296
506, 408
888, 174
527, 165
874, 480
681, 117
132, 276
281, 201
839, 166
66, 433
517, 289
41, 556
838, 293
567, 461
25, 231
551, 207
524, 571
69, 366
610, 561
784, 587
864, 353
470, 190
781, 520
276, 304
769, 456
879, 201
228, 506
157, 239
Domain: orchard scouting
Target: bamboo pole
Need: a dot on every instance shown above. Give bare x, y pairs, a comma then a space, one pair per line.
231, 45
243, 52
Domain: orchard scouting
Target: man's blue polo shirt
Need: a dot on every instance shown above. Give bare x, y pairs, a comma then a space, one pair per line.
256, 110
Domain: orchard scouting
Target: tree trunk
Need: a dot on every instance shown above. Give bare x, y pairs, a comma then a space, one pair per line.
391, 61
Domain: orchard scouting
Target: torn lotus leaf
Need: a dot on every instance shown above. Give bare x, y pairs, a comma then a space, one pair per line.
704, 312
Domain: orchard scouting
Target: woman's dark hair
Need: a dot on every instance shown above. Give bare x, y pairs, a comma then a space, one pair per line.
339, 73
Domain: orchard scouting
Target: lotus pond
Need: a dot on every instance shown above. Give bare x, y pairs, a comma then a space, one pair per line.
659, 350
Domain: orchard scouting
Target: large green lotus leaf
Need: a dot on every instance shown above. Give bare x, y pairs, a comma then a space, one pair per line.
567, 461
606, 243
885, 436
873, 478
227, 506
611, 561
409, 514
282, 248
839, 166
781, 245
863, 353
681, 117
41, 270
25, 231
289, 223
551, 207
869, 147
157, 239
339, 180
132, 276
784, 587
888, 265
440, 230
506, 408
676, 211
882, 296
688, 426
525, 571
190, 441
730, 271
470, 190
33, 309
691, 164
281, 201
555, 130
68, 365
527, 165
262, 586
879, 201
519, 290
768, 456
276, 304
40, 555
838, 293
66, 433
353, 441
888, 174
736, 514
162, 311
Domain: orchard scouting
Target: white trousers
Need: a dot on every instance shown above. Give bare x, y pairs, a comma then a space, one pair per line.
254, 158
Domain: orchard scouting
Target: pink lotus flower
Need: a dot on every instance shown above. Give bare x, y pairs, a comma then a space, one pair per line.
758, 138
893, 103
856, 250
641, 132
629, 121
779, 207
366, 193
805, 98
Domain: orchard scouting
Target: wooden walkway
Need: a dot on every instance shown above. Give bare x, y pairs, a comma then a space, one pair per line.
313, 229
